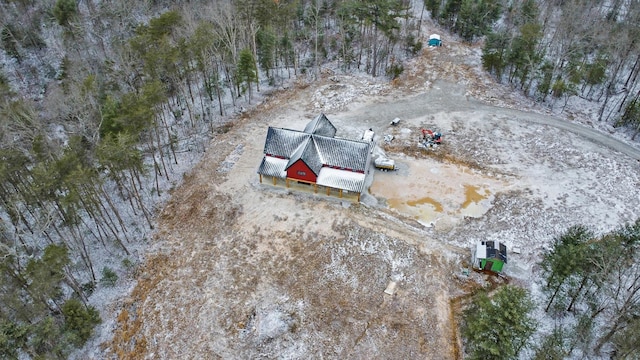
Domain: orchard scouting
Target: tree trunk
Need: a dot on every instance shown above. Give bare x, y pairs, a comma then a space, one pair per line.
575, 296
169, 139
420, 21
375, 51
254, 48
613, 79
552, 298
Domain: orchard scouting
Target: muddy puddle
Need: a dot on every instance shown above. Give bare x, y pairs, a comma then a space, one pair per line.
436, 193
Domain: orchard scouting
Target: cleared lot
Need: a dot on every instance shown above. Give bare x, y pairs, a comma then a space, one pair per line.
244, 270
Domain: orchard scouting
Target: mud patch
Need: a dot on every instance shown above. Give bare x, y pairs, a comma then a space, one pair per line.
437, 192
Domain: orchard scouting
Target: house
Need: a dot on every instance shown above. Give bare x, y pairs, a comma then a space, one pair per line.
490, 256
317, 158
434, 40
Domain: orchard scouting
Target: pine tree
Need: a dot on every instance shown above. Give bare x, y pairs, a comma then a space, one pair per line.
79, 321
631, 117
247, 70
433, 6
494, 53
565, 259
64, 11
552, 346
500, 326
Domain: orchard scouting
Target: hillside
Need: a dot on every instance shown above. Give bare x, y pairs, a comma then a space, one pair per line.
133, 223
244, 270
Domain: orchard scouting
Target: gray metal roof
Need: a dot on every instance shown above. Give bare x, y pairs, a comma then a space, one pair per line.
317, 150
341, 179
283, 147
344, 153
320, 126
271, 166
283, 142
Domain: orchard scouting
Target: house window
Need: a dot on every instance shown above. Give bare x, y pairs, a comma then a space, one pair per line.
302, 173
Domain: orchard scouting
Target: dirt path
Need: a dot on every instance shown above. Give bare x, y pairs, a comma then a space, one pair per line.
446, 97
593, 135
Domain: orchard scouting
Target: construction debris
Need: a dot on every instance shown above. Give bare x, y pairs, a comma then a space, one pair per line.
391, 288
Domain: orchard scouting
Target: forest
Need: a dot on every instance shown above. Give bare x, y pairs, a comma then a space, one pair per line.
590, 294
100, 100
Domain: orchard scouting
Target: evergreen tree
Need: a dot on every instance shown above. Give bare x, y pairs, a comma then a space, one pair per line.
64, 11
500, 326
13, 336
631, 117
565, 259
374, 18
553, 346
433, 6
31, 318
627, 342
10, 44
79, 321
494, 53
266, 50
523, 56
45, 275
470, 18
544, 77
247, 70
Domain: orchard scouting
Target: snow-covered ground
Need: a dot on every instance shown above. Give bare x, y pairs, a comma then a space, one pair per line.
243, 269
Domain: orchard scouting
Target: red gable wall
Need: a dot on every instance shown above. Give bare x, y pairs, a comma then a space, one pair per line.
300, 171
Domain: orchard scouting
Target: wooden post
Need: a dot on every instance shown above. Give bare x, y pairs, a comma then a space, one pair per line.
260, 178
358, 197
340, 193
315, 188
328, 189
274, 181
287, 181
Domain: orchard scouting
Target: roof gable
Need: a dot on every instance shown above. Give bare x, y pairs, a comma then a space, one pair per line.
307, 152
320, 126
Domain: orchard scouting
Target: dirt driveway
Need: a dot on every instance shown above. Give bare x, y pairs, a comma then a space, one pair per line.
244, 270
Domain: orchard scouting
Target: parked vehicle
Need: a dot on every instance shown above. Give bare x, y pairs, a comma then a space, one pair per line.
430, 138
384, 163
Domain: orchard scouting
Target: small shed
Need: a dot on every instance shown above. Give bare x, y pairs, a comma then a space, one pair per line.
434, 40
490, 256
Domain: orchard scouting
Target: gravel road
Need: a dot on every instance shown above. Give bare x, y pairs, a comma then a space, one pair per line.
445, 96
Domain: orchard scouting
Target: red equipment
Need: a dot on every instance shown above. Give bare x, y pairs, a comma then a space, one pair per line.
429, 137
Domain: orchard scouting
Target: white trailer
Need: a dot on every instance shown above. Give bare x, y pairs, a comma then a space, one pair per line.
384, 164
368, 135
